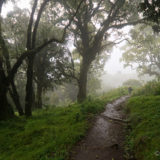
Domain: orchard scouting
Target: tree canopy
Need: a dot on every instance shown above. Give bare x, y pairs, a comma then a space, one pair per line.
132, 83
142, 51
34, 45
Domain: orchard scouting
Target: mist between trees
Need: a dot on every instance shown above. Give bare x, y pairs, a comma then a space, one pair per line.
36, 65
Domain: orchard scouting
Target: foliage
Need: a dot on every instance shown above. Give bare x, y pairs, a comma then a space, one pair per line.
143, 140
94, 83
30, 49
115, 93
92, 30
150, 88
142, 51
52, 65
151, 10
62, 94
15, 30
132, 83
50, 134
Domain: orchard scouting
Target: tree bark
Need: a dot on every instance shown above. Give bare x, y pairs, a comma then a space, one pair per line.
6, 110
39, 96
31, 41
29, 87
82, 85
15, 96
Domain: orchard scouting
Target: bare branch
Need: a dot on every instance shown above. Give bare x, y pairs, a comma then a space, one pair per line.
37, 22
119, 26
96, 9
29, 31
36, 50
1, 4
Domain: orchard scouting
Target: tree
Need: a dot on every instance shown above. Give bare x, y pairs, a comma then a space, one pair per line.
31, 44
45, 62
94, 84
51, 67
151, 11
13, 45
132, 83
142, 51
32, 49
5, 108
93, 26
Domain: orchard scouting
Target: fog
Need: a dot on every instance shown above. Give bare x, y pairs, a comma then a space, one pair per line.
114, 73
113, 65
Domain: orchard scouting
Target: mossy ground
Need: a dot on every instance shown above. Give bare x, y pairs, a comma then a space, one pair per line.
50, 134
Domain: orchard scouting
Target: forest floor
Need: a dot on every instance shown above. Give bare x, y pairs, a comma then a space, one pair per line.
105, 140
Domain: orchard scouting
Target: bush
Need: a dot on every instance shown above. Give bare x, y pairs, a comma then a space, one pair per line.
151, 88
132, 83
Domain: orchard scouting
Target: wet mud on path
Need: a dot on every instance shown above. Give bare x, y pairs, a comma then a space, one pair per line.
106, 139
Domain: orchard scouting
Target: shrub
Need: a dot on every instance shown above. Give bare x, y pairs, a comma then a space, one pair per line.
132, 83
151, 88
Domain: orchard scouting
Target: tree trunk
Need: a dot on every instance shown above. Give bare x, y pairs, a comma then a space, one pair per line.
6, 110
39, 96
29, 87
15, 96
33, 98
82, 93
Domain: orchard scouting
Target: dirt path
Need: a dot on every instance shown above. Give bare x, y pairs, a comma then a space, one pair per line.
105, 140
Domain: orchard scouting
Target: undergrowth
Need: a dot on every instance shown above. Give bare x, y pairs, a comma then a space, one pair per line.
50, 134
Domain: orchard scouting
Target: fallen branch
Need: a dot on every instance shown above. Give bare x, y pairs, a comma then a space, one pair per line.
114, 119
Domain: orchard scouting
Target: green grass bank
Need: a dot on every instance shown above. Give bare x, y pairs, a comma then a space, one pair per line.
50, 134
143, 140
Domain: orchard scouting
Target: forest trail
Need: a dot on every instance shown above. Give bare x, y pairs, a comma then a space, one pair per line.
106, 139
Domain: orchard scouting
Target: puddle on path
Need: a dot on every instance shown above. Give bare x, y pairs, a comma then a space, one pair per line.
105, 140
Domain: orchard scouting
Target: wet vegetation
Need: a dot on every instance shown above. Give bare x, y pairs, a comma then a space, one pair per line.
50, 134
52, 79
143, 110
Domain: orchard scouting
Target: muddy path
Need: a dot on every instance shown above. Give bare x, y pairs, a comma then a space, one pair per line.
106, 139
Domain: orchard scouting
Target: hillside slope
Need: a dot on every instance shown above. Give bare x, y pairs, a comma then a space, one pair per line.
143, 110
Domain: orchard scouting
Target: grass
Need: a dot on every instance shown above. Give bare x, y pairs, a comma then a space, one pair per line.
144, 137
50, 134
149, 89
